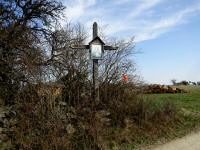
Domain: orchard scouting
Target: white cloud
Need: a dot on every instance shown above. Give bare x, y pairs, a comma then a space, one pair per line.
78, 9
131, 21
153, 30
144, 6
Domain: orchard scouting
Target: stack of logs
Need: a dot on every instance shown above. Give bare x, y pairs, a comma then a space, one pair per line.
156, 88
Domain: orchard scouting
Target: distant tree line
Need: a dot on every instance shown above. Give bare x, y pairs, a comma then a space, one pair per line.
184, 82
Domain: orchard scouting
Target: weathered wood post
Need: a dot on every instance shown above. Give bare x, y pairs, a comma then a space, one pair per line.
95, 68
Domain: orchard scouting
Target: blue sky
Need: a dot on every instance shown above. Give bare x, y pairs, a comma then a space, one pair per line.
167, 32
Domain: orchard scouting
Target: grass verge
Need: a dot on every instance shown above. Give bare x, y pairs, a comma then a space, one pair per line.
188, 105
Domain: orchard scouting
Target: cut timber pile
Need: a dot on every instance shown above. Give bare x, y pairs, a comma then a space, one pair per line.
156, 88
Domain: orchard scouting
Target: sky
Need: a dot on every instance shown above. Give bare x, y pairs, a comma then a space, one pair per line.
166, 32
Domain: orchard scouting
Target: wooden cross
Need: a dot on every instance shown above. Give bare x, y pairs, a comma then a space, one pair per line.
97, 48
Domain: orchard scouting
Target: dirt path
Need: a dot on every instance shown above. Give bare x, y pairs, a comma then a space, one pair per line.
189, 142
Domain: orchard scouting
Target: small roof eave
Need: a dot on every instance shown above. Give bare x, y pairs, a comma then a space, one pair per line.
97, 38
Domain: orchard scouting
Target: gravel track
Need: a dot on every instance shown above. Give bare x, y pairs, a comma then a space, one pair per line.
188, 142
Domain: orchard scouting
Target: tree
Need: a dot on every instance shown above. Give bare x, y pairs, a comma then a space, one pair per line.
184, 82
173, 81
23, 27
119, 62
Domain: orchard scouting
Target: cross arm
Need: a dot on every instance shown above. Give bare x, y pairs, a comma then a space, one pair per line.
80, 46
106, 47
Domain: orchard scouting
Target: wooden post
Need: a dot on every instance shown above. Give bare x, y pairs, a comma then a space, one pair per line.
95, 68
95, 30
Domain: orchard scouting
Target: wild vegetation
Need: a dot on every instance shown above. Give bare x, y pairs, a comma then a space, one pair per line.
45, 85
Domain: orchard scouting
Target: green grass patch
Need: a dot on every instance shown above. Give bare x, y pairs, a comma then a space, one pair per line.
188, 106
189, 101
